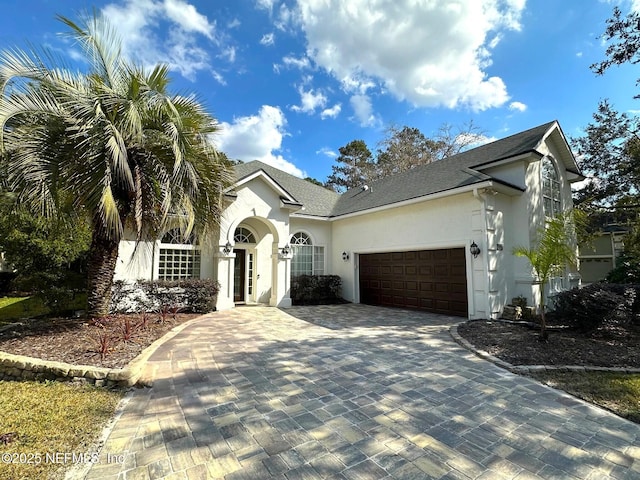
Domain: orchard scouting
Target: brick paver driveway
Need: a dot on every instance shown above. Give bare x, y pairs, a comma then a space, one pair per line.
352, 392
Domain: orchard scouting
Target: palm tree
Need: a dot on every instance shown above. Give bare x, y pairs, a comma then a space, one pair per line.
134, 157
554, 251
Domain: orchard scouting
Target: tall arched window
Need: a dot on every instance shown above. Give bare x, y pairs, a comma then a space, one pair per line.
550, 188
307, 259
179, 257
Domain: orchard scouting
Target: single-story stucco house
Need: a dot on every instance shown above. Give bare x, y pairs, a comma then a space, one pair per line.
437, 238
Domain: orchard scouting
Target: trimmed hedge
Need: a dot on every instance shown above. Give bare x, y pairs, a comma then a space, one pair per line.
192, 295
316, 290
599, 305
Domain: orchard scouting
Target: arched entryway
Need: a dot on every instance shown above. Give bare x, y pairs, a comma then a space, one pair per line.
253, 267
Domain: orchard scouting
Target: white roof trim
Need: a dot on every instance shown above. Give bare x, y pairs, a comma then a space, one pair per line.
306, 216
270, 181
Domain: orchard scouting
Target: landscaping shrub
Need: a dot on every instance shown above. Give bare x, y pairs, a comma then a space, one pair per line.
316, 289
627, 270
165, 297
598, 305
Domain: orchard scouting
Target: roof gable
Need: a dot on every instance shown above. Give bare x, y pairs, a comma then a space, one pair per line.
284, 194
315, 200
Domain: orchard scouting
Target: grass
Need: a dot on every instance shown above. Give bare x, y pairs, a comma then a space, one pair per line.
49, 418
617, 392
14, 308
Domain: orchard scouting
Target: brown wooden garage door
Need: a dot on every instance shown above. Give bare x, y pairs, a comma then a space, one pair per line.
431, 280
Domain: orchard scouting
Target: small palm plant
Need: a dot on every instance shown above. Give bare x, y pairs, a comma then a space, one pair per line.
553, 252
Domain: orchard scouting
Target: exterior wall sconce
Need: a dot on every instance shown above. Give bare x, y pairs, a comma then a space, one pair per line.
474, 250
227, 249
286, 250
499, 247
345, 256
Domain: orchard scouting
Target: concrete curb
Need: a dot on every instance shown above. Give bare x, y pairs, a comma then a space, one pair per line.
525, 369
20, 367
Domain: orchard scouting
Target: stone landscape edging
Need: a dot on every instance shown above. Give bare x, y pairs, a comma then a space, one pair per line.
21, 367
525, 369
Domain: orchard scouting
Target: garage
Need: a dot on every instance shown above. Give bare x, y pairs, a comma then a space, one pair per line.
430, 280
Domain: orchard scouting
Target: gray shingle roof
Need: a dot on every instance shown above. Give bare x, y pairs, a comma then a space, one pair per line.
453, 172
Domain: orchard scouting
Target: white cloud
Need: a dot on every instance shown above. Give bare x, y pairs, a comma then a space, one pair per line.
332, 112
188, 17
309, 101
519, 106
429, 53
137, 23
579, 54
363, 109
229, 53
327, 152
257, 137
265, 4
267, 39
300, 63
218, 77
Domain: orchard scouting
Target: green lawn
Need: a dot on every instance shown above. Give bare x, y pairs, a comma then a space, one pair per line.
14, 308
617, 392
49, 418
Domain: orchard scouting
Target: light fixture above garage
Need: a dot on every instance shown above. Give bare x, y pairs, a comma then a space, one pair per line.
474, 250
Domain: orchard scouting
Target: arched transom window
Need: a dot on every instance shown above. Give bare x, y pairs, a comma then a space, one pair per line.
243, 235
307, 259
179, 258
550, 188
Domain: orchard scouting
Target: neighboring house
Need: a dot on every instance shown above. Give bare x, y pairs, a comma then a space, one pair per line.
404, 241
599, 257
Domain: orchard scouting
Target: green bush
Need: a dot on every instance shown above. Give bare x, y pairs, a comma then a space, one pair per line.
598, 305
316, 289
191, 295
627, 270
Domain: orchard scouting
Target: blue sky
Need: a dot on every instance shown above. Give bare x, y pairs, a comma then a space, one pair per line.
292, 81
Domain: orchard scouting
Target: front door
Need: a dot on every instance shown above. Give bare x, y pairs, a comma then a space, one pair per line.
239, 275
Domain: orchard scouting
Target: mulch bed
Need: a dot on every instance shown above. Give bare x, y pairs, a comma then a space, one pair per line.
80, 341
615, 346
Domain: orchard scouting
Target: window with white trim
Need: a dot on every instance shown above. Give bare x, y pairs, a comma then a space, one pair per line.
307, 259
243, 235
179, 257
550, 188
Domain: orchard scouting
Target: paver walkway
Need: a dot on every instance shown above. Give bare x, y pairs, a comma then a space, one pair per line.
354, 392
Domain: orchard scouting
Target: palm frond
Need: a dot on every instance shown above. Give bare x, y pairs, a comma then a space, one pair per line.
101, 44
